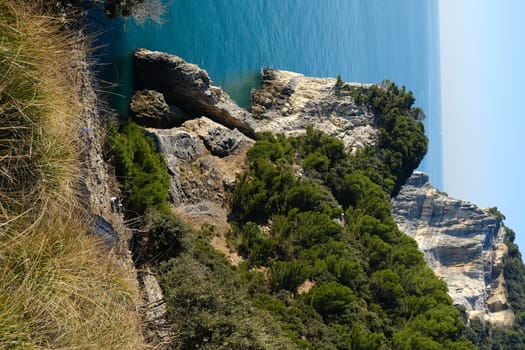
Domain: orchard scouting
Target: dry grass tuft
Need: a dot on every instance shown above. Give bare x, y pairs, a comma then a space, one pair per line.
57, 289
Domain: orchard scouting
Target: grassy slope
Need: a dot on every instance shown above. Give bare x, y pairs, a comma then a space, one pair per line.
57, 289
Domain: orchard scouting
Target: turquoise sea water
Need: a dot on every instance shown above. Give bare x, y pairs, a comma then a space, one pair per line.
362, 40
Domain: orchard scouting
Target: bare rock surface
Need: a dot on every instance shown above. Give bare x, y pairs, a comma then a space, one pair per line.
462, 243
204, 158
150, 109
99, 186
189, 87
288, 102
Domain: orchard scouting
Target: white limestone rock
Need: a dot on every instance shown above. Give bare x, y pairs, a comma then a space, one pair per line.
288, 102
462, 243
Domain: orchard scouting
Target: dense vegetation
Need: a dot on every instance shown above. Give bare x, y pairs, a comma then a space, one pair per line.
340, 274
140, 169
207, 303
402, 142
58, 288
325, 265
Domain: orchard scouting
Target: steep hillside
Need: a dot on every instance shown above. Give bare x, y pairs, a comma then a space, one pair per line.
61, 286
305, 218
291, 216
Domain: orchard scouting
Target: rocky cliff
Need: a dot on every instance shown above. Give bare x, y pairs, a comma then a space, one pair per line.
287, 102
205, 135
189, 87
462, 243
206, 148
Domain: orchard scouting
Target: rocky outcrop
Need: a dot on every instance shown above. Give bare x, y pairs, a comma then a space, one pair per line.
222, 142
462, 243
189, 88
288, 102
203, 158
149, 108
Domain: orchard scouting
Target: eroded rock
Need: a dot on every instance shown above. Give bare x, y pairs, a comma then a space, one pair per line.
223, 142
204, 158
149, 109
461, 242
189, 87
288, 102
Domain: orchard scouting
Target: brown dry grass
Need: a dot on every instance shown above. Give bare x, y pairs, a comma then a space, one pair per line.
58, 289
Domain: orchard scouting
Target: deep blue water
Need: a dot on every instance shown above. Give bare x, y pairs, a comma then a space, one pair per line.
362, 40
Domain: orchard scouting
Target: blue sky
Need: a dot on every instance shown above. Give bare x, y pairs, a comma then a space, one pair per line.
483, 105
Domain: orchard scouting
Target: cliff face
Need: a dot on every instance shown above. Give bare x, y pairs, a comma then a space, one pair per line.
206, 148
288, 102
462, 243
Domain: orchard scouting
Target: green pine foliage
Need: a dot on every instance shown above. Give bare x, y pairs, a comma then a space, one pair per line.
205, 297
402, 141
329, 224
141, 170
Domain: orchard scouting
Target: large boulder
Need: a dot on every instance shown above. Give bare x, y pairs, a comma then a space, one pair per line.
223, 142
149, 109
189, 87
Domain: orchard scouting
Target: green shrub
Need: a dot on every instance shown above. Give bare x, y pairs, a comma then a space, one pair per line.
162, 237
258, 247
403, 143
205, 300
287, 275
367, 279
141, 170
330, 298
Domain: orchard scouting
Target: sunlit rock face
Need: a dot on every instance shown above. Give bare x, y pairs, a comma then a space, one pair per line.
206, 148
288, 102
461, 242
189, 88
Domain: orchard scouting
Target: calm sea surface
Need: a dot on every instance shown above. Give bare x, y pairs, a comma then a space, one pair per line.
362, 40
